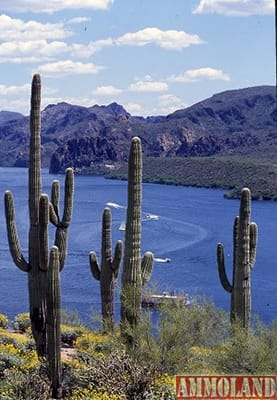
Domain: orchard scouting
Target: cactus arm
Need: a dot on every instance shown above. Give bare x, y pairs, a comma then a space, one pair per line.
68, 200
62, 225
43, 231
253, 243
55, 197
54, 323
68, 197
221, 269
146, 267
13, 238
94, 266
52, 215
235, 243
61, 243
116, 259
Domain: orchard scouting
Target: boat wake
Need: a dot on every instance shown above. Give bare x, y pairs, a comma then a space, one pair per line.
114, 205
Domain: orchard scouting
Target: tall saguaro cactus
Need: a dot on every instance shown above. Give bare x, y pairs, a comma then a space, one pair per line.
136, 271
244, 253
107, 273
37, 264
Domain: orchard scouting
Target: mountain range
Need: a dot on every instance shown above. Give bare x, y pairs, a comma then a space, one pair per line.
235, 122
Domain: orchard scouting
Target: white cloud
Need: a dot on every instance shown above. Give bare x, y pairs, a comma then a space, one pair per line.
148, 85
134, 108
163, 105
87, 50
31, 41
168, 103
194, 75
51, 6
78, 20
239, 8
31, 51
14, 90
68, 67
17, 98
19, 105
17, 29
106, 91
170, 40
79, 101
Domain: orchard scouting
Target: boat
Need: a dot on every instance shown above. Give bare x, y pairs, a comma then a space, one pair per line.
156, 300
162, 260
152, 216
122, 226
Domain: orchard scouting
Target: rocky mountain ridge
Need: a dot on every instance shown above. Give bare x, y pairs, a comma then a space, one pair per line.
235, 122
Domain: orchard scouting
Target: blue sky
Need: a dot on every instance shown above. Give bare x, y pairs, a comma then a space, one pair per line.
151, 56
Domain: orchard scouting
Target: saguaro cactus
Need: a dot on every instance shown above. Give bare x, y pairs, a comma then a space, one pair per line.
135, 271
107, 274
244, 254
37, 264
54, 323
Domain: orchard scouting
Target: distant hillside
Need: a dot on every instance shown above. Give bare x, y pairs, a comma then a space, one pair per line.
220, 172
236, 122
6, 116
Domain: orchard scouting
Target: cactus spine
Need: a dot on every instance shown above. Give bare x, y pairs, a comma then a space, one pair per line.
135, 271
107, 274
37, 264
244, 253
54, 323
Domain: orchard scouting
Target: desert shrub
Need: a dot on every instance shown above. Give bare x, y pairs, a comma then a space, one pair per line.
248, 352
115, 375
7, 338
182, 338
18, 340
71, 327
14, 356
22, 322
8, 361
163, 388
70, 318
181, 328
69, 334
32, 384
4, 320
85, 394
94, 343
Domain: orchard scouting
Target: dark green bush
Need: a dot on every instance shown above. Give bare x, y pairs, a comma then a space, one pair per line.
4, 320
22, 322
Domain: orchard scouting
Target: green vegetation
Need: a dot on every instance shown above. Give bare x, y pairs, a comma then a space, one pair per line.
233, 173
185, 340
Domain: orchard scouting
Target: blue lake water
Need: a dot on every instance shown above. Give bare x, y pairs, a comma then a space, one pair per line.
192, 221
